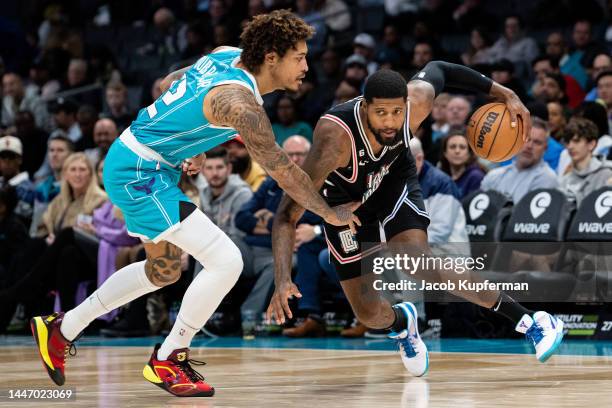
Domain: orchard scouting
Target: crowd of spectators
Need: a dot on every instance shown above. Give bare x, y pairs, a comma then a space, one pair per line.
74, 74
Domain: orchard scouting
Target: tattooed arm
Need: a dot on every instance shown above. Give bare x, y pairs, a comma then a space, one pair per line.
331, 149
235, 106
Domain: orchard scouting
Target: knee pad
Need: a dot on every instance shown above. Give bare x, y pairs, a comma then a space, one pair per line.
202, 239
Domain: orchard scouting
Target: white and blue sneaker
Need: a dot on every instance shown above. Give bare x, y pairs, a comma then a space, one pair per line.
545, 332
412, 349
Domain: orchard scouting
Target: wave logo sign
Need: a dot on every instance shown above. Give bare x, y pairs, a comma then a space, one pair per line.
603, 203
479, 205
539, 203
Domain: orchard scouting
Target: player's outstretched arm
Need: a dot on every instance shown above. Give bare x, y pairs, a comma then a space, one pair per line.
236, 107
331, 149
437, 75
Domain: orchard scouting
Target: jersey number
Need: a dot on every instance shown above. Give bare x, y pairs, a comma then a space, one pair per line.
169, 97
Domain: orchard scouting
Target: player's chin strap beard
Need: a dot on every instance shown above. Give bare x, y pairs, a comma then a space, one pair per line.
379, 138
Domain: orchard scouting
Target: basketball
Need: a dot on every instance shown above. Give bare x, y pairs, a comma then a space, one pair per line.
490, 134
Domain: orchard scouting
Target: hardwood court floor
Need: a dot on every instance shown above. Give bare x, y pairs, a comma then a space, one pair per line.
318, 378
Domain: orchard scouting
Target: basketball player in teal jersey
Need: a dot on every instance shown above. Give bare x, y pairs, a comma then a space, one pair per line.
203, 106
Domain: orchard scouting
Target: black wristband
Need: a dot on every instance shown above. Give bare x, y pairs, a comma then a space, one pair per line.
442, 74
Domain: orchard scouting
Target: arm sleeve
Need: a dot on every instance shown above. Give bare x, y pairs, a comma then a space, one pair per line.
442, 74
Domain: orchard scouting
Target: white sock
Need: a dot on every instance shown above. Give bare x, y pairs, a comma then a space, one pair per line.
201, 299
123, 286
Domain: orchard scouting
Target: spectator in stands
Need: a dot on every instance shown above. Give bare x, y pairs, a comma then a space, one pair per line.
78, 77
479, 51
15, 99
587, 173
306, 10
288, 122
224, 194
165, 38
13, 240
458, 110
11, 153
459, 162
117, 105
33, 139
440, 125
552, 89
336, 13
330, 73
601, 63
345, 92
104, 134
528, 171
557, 120
64, 113
355, 71
86, 117
597, 114
514, 44
59, 148
61, 260
556, 48
43, 84
582, 54
503, 73
422, 53
364, 45
604, 90
441, 197
256, 218
242, 164
544, 65
391, 53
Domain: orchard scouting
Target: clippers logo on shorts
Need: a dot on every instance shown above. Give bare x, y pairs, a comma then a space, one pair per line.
373, 181
347, 240
486, 128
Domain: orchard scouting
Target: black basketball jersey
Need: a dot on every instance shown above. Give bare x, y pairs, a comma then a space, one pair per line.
365, 171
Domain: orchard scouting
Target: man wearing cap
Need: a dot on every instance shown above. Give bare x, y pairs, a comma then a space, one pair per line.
11, 151
356, 71
364, 45
243, 165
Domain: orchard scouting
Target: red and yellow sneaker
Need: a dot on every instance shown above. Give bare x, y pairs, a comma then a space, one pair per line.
176, 376
52, 346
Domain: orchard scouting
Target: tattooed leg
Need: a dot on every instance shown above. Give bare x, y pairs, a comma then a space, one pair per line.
163, 265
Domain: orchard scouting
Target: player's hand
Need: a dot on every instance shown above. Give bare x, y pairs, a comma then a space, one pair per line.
279, 305
304, 233
343, 215
516, 108
193, 165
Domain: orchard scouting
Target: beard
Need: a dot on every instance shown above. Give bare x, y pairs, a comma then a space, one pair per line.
240, 164
383, 141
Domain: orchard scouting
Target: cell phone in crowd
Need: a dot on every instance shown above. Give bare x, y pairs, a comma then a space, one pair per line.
84, 219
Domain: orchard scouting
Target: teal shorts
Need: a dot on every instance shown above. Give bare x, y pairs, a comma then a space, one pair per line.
146, 191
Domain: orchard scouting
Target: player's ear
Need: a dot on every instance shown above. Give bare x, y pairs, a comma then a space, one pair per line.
271, 58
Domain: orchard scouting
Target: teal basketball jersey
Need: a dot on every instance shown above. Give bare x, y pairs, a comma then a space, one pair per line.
174, 125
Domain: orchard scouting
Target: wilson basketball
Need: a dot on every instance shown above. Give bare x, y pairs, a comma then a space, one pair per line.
490, 134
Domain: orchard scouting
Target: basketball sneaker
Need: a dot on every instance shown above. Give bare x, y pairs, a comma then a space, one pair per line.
544, 331
175, 374
52, 345
411, 347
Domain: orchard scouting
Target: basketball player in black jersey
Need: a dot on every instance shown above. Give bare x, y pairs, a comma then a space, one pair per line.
361, 155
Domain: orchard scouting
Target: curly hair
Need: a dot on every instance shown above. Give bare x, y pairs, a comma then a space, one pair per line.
581, 127
277, 32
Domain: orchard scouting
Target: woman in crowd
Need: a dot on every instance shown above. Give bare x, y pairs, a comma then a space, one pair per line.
459, 162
